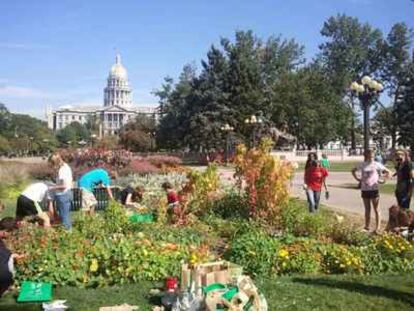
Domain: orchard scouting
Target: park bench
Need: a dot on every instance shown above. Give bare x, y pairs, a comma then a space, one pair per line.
100, 194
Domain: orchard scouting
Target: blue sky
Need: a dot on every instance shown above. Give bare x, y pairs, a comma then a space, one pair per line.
59, 52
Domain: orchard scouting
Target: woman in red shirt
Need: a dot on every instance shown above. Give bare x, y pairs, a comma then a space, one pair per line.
314, 178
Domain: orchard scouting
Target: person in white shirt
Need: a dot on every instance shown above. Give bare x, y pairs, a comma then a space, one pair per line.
63, 188
30, 201
369, 179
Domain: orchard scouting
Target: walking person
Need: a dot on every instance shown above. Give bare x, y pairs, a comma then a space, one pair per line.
63, 194
369, 172
325, 162
405, 177
314, 179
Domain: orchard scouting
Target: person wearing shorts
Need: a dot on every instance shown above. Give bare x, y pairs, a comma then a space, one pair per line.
30, 201
369, 173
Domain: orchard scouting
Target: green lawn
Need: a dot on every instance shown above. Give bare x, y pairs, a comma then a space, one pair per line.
336, 166
384, 188
285, 293
345, 166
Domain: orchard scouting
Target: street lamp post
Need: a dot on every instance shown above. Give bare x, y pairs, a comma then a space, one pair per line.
227, 129
367, 92
93, 137
254, 121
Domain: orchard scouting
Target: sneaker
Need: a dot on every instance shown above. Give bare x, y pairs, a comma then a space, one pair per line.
365, 230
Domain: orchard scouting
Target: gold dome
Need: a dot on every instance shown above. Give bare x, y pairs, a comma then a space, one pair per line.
118, 70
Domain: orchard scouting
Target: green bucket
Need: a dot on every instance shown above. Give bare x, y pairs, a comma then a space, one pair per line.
35, 292
136, 217
230, 293
213, 287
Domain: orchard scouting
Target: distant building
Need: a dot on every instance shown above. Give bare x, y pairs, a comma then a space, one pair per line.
116, 111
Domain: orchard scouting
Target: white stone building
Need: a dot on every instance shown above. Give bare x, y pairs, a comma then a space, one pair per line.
116, 111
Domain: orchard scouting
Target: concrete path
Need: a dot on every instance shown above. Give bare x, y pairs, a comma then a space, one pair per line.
341, 198
345, 199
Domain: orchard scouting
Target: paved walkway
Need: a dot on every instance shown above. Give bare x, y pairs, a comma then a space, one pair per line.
341, 198
345, 199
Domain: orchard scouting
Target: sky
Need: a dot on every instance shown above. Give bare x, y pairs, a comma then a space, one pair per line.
55, 53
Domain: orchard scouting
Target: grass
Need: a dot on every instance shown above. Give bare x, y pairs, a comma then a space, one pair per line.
384, 188
345, 166
336, 166
346, 292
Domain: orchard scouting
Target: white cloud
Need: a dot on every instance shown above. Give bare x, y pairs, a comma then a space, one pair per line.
21, 46
11, 91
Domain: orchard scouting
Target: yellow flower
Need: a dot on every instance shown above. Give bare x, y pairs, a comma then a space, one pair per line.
94, 266
283, 253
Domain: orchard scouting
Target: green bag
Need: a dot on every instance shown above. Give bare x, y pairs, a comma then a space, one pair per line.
136, 217
31, 291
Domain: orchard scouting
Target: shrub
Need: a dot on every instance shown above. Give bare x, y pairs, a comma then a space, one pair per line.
298, 256
141, 167
255, 250
296, 220
342, 259
161, 161
41, 171
345, 233
231, 205
266, 180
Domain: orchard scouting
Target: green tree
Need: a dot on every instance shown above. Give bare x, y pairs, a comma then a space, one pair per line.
138, 135
351, 50
72, 134
397, 59
315, 113
404, 109
384, 124
174, 122
4, 145
236, 80
5, 119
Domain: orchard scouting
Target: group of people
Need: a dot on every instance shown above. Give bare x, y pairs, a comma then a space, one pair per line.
369, 174
48, 203
56, 197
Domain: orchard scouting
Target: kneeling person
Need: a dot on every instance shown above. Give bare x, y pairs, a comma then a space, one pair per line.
30, 201
132, 197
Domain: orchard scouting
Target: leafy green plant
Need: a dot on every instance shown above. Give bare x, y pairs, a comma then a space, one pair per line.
232, 205
296, 220
255, 250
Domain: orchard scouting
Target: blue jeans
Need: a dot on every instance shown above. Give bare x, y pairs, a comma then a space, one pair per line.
403, 199
63, 202
313, 199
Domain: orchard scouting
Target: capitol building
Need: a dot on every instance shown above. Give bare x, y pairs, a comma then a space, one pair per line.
117, 109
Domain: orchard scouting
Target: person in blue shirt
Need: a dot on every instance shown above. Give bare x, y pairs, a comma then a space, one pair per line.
94, 179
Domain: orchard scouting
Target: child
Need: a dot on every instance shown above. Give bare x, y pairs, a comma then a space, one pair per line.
172, 196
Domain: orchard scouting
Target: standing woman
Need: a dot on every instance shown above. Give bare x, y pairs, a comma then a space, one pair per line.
63, 188
369, 179
314, 178
405, 177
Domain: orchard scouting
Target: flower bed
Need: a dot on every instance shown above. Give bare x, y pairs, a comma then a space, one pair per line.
100, 252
